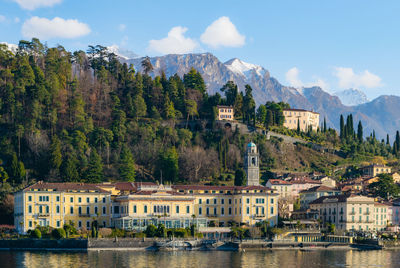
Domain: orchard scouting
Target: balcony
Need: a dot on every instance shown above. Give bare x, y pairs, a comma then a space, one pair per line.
367, 213
43, 215
352, 213
259, 216
84, 215
212, 215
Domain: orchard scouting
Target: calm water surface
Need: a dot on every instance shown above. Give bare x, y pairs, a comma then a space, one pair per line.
277, 258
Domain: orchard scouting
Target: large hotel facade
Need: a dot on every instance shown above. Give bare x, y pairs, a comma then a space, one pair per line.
133, 206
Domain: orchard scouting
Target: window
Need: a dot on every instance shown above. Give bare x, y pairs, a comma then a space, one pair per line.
187, 209
88, 210
200, 201
95, 210
87, 199
134, 209
104, 199
79, 210
248, 210
208, 211
208, 201
145, 209
215, 211
30, 209
272, 210
79, 224
71, 210
88, 224
116, 209
58, 223
222, 211
47, 198
230, 201
104, 224
71, 199
104, 210
30, 223
79, 199
177, 209
40, 209
40, 198
95, 200
230, 211
199, 211
215, 201
248, 200
58, 198
272, 200
57, 209
29, 198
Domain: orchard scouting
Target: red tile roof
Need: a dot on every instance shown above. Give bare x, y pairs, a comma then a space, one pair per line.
278, 181
65, 186
321, 188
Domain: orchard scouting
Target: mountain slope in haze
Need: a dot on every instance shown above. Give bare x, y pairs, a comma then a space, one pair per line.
352, 97
380, 114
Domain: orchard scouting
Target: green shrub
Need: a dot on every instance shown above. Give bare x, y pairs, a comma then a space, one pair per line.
140, 235
58, 233
36, 234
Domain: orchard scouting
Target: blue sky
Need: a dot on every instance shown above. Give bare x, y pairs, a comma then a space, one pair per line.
334, 44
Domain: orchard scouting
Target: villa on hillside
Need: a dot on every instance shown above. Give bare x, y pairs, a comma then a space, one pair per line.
225, 113
306, 119
375, 169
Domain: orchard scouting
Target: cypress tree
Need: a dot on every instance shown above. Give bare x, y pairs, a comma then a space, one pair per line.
342, 135
324, 129
387, 139
298, 125
360, 132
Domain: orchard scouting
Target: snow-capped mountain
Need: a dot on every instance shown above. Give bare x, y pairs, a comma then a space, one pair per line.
12, 47
352, 97
245, 69
124, 54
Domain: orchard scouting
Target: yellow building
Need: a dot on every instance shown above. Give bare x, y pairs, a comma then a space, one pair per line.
375, 169
54, 204
133, 206
225, 113
306, 119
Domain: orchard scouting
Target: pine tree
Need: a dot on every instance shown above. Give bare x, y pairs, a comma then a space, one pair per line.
94, 171
126, 165
69, 168
17, 170
55, 153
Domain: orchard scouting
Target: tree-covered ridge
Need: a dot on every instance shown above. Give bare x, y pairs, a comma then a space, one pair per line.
84, 116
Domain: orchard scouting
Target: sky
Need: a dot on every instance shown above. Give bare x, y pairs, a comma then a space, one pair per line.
333, 44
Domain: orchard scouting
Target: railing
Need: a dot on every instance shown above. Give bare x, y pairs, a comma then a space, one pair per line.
84, 215
367, 213
212, 215
341, 212
43, 214
352, 213
259, 216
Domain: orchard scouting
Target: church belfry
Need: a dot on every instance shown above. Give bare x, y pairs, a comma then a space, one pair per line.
252, 164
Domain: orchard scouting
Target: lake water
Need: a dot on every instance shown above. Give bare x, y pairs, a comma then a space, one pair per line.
276, 258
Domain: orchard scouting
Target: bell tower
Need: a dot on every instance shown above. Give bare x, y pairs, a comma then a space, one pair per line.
252, 164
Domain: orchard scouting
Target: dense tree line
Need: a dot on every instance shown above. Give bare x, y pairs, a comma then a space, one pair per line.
85, 116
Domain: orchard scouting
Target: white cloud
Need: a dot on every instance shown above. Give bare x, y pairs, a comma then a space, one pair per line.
222, 33
121, 27
2, 18
174, 43
43, 28
349, 79
33, 4
292, 77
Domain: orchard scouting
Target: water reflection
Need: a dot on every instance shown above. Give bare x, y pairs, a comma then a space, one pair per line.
277, 258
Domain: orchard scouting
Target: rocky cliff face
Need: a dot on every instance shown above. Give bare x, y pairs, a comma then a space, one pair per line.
381, 114
352, 97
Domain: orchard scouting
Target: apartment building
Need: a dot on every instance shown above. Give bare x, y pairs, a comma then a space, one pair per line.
282, 188
347, 212
375, 169
309, 195
303, 118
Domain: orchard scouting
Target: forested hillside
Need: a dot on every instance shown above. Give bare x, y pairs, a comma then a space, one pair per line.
84, 116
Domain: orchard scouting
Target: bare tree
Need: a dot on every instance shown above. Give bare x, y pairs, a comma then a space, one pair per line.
196, 163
